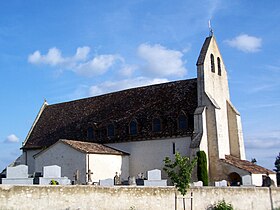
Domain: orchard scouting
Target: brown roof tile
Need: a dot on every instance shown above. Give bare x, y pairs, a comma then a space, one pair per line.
93, 148
70, 120
245, 165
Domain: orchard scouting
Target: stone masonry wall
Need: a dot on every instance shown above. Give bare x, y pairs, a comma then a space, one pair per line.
133, 198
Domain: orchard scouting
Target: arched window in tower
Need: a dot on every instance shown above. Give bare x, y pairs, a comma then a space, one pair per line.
156, 125
212, 63
133, 128
182, 122
111, 130
90, 133
219, 66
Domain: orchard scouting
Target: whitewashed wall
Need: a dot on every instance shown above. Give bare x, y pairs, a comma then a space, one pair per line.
64, 156
148, 155
106, 166
29, 160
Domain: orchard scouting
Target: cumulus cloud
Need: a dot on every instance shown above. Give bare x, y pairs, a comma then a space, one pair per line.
12, 139
78, 63
161, 61
245, 43
98, 65
110, 86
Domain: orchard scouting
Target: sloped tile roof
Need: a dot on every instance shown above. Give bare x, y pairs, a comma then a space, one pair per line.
92, 148
70, 120
246, 165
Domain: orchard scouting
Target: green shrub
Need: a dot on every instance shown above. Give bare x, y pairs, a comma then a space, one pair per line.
222, 205
53, 182
202, 173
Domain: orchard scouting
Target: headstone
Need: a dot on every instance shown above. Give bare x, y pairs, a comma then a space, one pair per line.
131, 180
154, 174
51, 175
20, 171
198, 184
247, 180
53, 171
17, 175
154, 179
106, 182
223, 183
89, 173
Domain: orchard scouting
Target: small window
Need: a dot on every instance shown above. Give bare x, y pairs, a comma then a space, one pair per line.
173, 148
111, 130
219, 66
182, 122
156, 125
133, 128
90, 133
212, 63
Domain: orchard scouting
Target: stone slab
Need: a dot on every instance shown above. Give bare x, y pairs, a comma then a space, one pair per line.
198, 184
158, 183
20, 171
106, 182
53, 171
154, 174
61, 181
17, 181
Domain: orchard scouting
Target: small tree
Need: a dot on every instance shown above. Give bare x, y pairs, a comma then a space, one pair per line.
202, 173
180, 172
277, 168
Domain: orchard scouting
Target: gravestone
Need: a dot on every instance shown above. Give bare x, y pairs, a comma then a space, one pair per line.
132, 180
53, 174
17, 175
117, 179
106, 182
198, 184
222, 183
154, 178
247, 180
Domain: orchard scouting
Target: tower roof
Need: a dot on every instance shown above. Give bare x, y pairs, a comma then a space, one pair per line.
203, 50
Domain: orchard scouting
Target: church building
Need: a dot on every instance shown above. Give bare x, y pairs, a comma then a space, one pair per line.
132, 131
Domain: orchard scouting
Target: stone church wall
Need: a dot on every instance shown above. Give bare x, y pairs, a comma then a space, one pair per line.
136, 198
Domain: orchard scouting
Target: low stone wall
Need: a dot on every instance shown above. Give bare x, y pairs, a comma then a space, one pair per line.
134, 198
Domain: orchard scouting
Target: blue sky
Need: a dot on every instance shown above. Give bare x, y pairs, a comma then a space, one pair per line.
65, 50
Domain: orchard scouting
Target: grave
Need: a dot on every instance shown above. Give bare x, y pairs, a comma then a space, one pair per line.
17, 175
106, 182
197, 184
222, 183
53, 174
154, 178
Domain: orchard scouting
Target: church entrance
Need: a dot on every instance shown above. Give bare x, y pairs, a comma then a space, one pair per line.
235, 179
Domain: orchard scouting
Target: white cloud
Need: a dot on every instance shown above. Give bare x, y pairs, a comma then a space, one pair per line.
245, 43
78, 63
12, 139
53, 57
161, 61
111, 86
98, 65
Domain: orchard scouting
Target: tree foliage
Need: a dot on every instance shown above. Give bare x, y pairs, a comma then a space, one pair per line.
222, 205
180, 171
202, 173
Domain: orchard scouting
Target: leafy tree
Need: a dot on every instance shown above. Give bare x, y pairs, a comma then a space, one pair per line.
180, 172
277, 168
202, 173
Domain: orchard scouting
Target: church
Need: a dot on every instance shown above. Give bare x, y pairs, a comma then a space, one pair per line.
132, 131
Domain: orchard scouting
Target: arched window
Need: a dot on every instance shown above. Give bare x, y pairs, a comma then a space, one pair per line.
182, 122
156, 125
133, 128
111, 130
219, 66
212, 63
90, 133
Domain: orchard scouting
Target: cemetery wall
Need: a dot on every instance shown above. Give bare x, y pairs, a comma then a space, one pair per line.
144, 198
